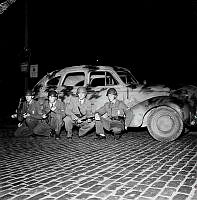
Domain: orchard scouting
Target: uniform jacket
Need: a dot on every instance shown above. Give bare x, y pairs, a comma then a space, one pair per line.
74, 107
32, 109
117, 109
60, 108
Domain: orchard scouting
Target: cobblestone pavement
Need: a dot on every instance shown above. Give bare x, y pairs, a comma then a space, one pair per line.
134, 167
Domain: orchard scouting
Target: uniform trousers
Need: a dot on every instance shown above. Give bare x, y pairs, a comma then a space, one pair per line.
44, 127
116, 126
84, 127
27, 127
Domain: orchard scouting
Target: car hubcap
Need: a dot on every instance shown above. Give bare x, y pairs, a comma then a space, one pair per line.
165, 123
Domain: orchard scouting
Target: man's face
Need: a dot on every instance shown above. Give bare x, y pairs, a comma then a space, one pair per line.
111, 97
28, 98
52, 99
82, 95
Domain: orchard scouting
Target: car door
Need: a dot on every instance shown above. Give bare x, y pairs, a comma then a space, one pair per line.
99, 82
69, 83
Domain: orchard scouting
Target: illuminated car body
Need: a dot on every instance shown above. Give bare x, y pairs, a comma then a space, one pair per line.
164, 111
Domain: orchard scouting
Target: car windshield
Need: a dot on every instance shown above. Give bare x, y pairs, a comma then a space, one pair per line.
127, 77
39, 83
49, 77
37, 87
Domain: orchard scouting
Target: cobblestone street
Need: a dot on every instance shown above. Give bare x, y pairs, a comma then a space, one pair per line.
134, 167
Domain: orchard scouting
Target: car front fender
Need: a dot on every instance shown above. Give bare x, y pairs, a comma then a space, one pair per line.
142, 109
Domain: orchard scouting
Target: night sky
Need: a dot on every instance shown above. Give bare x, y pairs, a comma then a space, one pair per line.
150, 37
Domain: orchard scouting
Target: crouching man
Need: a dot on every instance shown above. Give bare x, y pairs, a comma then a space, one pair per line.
118, 116
79, 113
53, 111
28, 116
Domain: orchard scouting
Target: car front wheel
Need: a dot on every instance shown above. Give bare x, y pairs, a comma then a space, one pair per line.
164, 124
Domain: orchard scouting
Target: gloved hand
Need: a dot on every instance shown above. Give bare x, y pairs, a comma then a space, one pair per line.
97, 117
26, 115
44, 116
79, 121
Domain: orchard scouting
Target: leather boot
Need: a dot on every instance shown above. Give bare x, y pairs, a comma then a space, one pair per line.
117, 135
57, 136
69, 136
52, 133
100, 137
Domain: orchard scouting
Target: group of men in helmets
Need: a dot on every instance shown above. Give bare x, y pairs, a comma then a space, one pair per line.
47, 117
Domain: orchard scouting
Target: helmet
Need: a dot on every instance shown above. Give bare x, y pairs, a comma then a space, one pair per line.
81, 90
52, 93
112, 91
29, 93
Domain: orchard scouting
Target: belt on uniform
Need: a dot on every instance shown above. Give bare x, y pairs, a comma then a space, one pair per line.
119, 118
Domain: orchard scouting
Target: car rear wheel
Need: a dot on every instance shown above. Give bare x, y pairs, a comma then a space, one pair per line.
164, 124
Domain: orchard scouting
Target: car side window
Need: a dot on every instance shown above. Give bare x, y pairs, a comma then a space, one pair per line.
54, 81
101, 78
74, 79
110, 80
98, 82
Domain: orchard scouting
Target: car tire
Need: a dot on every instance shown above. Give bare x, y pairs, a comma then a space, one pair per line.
164, 124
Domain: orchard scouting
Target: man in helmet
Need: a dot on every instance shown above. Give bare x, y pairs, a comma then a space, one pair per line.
53, 111
118, 116
79, 112
28, 115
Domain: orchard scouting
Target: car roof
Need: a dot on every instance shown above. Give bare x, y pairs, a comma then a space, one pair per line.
91, 68
86, 68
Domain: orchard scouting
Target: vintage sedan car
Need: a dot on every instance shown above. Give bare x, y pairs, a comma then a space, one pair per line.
164, 111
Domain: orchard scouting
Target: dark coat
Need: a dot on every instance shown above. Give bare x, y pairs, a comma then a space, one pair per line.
33, 109
60, 108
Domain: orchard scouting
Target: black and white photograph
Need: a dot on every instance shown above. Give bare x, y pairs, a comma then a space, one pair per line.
98, 100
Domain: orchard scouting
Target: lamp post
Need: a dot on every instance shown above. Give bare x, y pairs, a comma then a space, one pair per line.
25, 55
26, 48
